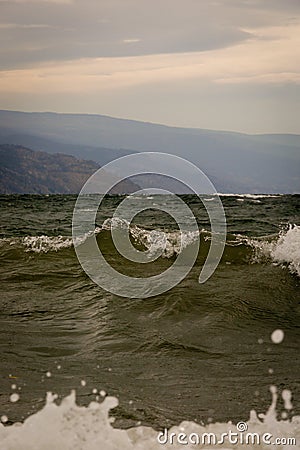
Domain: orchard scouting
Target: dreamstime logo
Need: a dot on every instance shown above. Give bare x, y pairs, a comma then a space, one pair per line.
239, 437
161, 165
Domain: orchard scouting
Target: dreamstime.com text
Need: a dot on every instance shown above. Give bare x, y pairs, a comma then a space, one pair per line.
239, 437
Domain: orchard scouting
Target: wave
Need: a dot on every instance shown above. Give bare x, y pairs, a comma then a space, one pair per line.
172, 242
34, 244
252, 196
280, 249
68, 426
284, 250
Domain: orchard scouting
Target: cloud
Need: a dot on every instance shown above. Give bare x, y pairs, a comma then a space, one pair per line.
155, 60
271, 57
91, 29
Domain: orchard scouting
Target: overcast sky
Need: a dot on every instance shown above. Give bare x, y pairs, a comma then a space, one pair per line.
218, 64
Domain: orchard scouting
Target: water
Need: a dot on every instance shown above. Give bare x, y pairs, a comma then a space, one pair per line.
198, 353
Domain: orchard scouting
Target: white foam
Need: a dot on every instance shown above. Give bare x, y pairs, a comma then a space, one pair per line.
45, 244
152, 240
285, 250
287, 397
171, 243
209, 199
253, 196
70, 427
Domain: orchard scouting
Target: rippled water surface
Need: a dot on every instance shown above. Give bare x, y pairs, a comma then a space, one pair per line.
196, 352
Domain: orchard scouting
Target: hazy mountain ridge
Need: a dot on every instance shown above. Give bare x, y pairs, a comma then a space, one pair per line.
102, 155
24, 171
235, 162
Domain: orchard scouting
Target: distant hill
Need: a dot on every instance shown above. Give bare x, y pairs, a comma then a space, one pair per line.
235, 162
101, 155
24, 171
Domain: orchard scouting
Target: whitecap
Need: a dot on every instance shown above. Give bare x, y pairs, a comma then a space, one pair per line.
285, 250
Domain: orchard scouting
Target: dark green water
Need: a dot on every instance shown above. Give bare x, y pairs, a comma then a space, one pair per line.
196, 352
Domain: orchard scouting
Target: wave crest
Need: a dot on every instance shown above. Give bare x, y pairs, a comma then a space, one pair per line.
280, 249
171, 242
285, 250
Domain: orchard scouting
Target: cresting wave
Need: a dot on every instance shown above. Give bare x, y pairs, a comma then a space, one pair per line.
253, 196
68, 426
153, 240
282, 249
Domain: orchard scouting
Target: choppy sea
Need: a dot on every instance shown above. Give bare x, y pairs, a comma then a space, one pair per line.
198, 358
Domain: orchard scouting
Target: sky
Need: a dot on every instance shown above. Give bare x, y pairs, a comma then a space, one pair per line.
215, 64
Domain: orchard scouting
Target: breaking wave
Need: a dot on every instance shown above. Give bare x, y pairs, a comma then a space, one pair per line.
285, 250
280, 249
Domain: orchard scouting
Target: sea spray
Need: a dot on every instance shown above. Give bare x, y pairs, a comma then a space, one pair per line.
284, 250
71, 427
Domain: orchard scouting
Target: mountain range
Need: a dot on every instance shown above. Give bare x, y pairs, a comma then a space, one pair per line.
235, 162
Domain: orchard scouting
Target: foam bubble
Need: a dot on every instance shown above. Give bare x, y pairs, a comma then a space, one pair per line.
14, 397
277, 336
